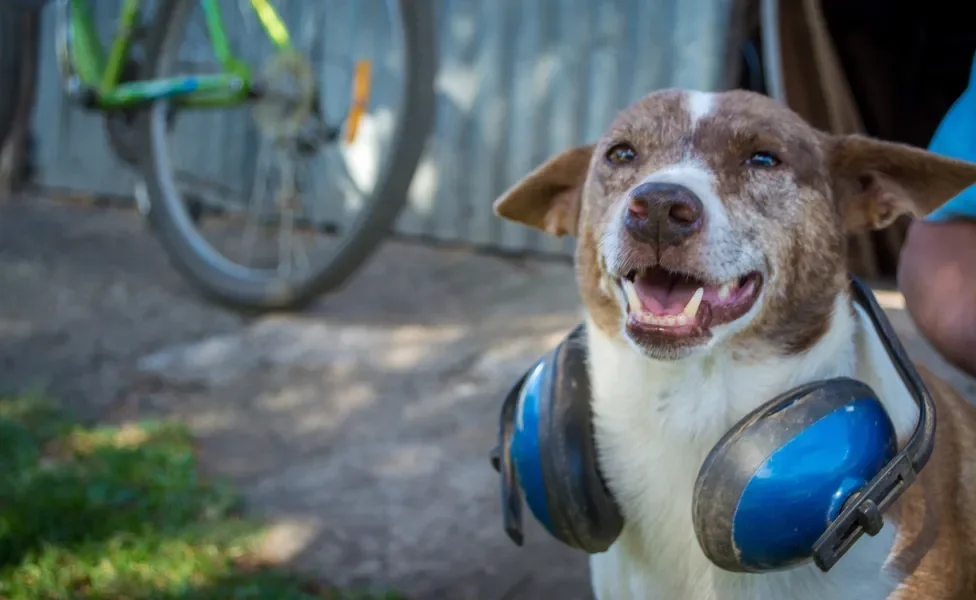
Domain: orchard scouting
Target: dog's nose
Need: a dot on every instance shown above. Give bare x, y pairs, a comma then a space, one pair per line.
664, 214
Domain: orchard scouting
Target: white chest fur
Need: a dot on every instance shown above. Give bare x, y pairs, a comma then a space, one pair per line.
654, 424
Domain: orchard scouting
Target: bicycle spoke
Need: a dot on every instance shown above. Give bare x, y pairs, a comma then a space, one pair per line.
259, 187
284, 197
309, 219
290, 246
310, 36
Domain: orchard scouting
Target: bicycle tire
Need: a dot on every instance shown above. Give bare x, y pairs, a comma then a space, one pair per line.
364, 235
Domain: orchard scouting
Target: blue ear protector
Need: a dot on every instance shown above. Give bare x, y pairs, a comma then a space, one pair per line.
803, 476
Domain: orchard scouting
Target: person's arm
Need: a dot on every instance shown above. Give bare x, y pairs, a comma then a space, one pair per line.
937, 267
937, 275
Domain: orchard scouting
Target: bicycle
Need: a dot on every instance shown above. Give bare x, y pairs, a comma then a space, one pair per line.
143, 99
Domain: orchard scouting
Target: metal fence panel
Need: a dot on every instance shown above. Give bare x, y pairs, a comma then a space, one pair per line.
519, 80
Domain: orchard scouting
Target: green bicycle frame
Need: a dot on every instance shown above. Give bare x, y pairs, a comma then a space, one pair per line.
101, 74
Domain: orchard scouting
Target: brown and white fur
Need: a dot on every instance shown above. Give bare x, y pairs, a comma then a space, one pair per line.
662, 397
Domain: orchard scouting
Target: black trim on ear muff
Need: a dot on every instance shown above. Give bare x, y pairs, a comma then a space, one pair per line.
864, 512
582, 510
920, 445
501, 460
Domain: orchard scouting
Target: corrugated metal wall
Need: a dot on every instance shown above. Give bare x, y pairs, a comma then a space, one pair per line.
519, 81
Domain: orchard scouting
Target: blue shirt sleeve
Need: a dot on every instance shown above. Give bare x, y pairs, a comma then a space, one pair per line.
956, 137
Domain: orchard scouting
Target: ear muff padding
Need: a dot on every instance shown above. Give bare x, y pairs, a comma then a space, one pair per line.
582, 512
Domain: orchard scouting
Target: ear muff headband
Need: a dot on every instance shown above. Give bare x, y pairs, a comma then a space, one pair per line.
578, 510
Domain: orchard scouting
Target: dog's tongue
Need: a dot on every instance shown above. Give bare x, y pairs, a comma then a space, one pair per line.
662, 293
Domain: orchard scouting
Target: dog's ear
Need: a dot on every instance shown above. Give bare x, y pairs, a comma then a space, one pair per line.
549, 197
876, 182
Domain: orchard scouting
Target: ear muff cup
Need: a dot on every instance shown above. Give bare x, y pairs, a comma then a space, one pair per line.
774, 483
582, 513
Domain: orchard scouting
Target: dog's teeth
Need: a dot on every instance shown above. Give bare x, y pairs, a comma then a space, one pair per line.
632, 299
691, 309
724, 292
663, 320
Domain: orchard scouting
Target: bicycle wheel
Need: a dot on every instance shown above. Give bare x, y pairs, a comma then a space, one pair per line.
175, 208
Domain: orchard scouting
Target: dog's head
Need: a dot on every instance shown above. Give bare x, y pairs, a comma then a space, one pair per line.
706, 219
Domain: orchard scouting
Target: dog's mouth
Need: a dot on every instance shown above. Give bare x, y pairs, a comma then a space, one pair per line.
670, 305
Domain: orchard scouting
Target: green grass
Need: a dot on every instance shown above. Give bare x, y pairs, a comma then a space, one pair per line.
123, 513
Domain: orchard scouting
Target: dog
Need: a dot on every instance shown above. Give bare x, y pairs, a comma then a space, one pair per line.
711, 261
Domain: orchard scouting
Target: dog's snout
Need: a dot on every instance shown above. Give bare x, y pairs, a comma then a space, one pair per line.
664, 214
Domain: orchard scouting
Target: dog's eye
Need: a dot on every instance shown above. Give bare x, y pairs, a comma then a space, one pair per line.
762, 159
622, 153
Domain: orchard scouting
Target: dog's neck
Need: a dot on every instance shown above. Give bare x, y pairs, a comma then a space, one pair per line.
697, 399
654, 423
693, 401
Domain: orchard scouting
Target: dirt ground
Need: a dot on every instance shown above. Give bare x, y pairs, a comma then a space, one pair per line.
360, 428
